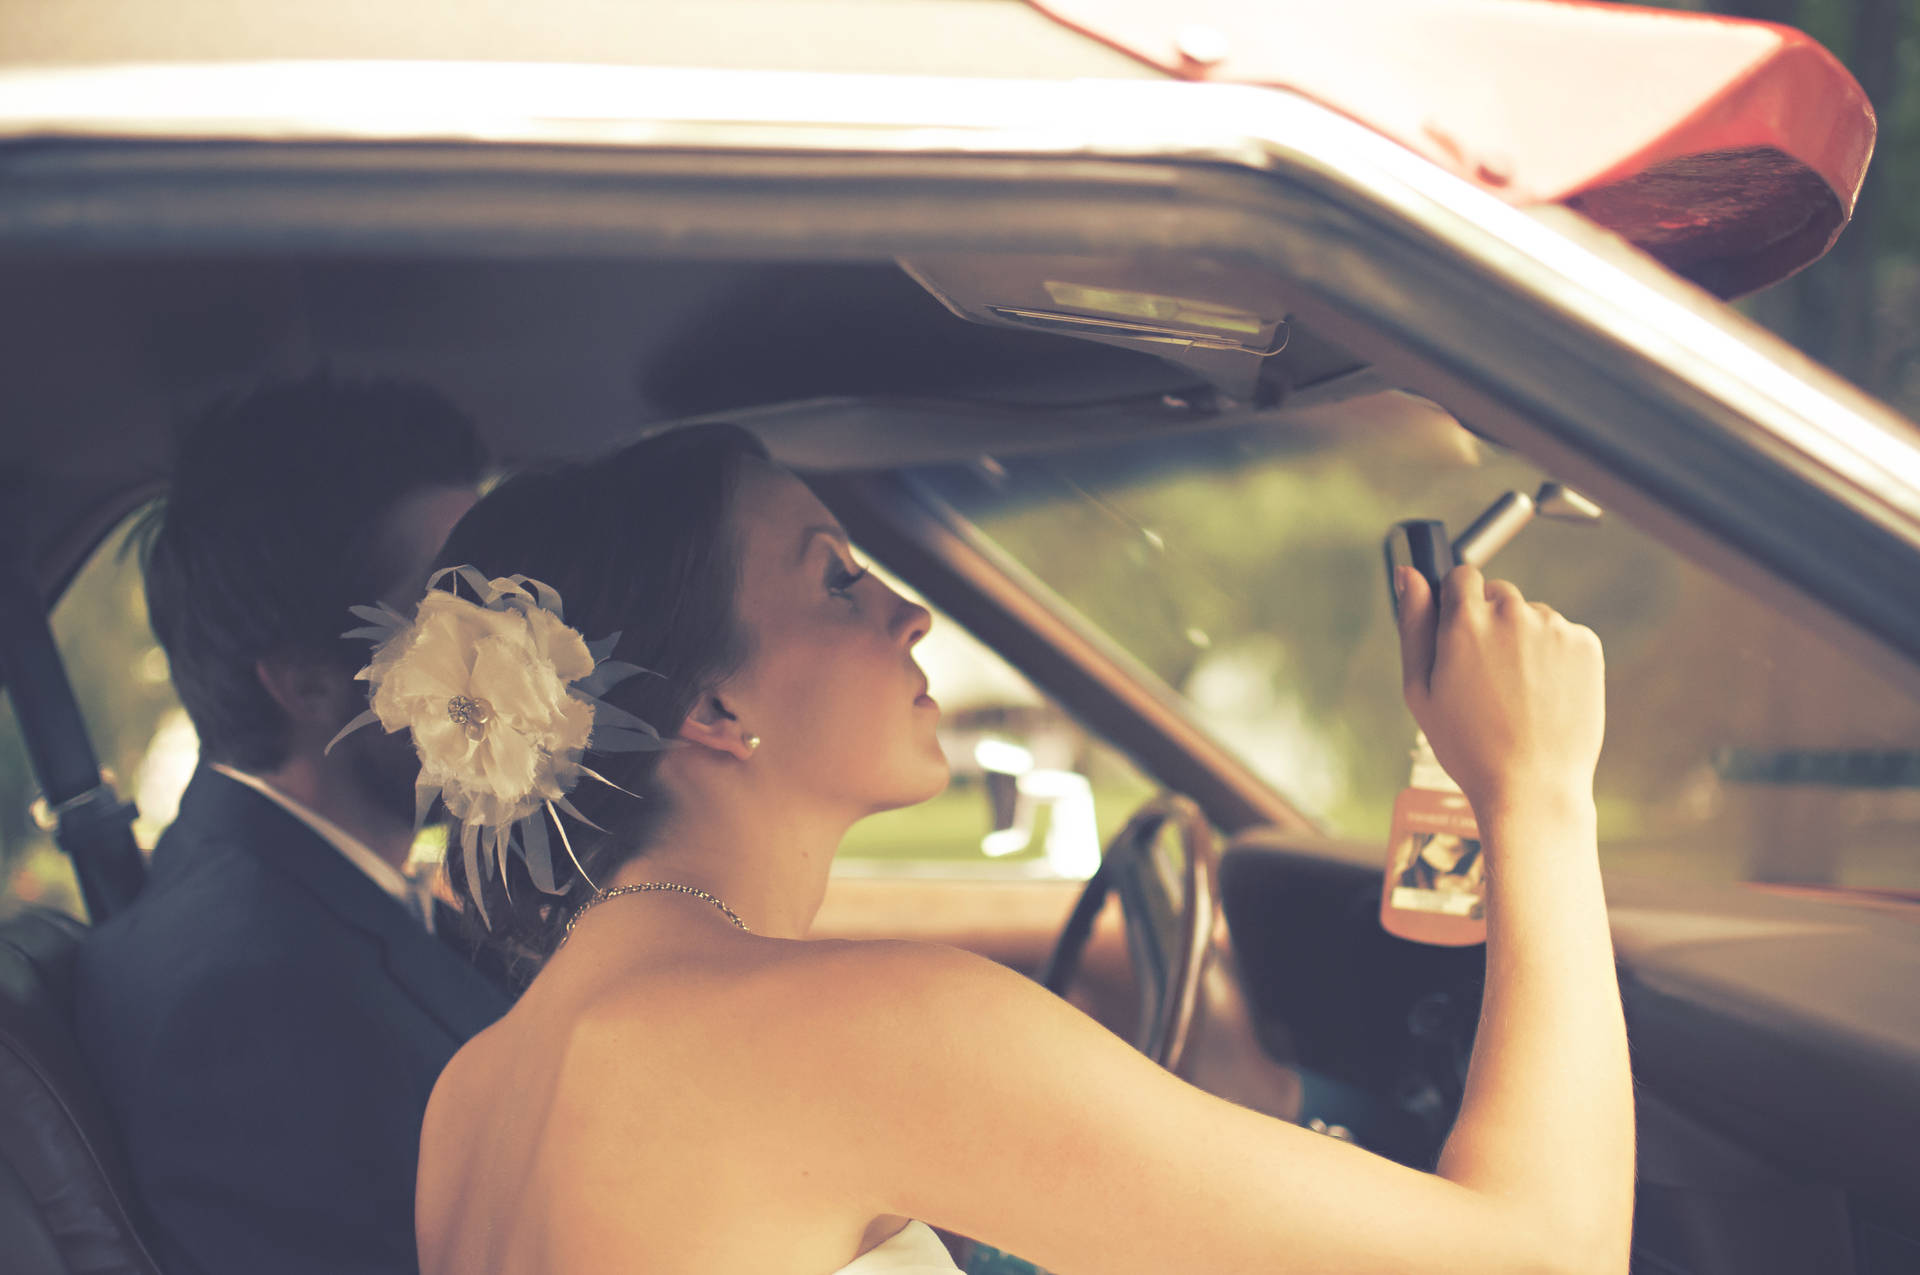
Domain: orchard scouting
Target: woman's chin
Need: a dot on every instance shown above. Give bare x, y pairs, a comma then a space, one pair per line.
938, 782
925, 789
932, 786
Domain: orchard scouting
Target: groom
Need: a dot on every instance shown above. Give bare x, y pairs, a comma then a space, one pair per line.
267, 1019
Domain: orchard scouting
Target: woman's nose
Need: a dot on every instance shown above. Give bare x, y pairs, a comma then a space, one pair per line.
911, 621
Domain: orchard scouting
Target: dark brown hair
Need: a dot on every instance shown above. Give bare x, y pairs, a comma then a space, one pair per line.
640, 544
271, 527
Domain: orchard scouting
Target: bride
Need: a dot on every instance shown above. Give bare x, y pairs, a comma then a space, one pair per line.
689, 1086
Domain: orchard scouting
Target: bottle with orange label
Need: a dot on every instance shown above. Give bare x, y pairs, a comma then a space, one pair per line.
1435, 886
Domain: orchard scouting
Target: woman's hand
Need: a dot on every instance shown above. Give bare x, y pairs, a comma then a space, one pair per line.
1510, 694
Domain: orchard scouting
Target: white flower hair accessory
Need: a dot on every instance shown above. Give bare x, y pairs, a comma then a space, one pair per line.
502, 700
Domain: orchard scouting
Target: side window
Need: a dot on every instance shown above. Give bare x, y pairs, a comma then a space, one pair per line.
1033, 794
140, 731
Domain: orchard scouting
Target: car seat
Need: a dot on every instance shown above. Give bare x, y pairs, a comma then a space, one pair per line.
65, 1204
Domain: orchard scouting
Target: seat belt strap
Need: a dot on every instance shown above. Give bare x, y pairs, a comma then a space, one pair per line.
87, 818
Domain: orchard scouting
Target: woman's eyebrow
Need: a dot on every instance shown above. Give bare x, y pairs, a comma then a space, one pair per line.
832, 529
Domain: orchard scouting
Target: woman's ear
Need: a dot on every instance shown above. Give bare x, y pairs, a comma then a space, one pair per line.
711, 725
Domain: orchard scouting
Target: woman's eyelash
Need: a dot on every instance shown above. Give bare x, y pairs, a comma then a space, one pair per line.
841, 578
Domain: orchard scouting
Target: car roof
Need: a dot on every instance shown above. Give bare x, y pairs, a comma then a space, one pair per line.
992, 38
1671, 129
1731, 150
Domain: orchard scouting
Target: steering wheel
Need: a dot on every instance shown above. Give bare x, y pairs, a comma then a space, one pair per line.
1169, 912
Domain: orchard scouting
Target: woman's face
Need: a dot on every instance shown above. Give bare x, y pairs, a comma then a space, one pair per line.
831, 686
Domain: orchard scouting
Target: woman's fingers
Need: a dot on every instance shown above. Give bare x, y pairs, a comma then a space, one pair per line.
1512, 693
1463, 595
1501, 593
1418, 620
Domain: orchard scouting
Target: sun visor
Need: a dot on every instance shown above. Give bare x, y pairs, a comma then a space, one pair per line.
1224, 326
1730, 150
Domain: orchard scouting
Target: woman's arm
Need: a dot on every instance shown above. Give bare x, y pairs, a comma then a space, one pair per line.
1511, 697
953, 1090
1547, 1120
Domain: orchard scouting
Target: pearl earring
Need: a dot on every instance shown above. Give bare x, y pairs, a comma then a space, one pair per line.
753, 742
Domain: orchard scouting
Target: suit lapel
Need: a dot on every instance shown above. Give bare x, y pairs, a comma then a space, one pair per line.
454, 993
449, 991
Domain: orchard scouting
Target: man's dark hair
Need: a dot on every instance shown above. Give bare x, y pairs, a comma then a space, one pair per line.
273, 524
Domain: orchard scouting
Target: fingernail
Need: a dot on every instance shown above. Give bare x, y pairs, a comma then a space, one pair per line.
1400, 582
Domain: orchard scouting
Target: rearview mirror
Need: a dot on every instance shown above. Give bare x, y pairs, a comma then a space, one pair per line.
1019, 793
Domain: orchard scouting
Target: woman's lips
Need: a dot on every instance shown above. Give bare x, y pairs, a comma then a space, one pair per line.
927, 700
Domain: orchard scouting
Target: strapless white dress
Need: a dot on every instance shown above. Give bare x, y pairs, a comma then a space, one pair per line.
913, 1250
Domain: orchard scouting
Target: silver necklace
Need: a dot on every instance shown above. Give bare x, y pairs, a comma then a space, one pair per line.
647, 887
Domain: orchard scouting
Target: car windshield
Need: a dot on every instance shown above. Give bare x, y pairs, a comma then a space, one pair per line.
1243, 567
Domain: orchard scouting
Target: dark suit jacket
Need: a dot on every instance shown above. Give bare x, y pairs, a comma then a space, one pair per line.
266, 1024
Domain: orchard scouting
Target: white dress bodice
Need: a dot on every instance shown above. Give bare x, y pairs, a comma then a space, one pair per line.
913, 1250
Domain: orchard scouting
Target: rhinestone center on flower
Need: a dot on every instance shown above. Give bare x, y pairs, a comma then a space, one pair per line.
473, 714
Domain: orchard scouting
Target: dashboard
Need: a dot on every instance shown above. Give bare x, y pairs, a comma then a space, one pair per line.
1776, 1051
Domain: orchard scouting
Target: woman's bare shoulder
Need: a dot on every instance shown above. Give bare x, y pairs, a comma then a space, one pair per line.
449, 1127
886, 983
846, 970
845, 1011
815, 986
823, 1015
891, 961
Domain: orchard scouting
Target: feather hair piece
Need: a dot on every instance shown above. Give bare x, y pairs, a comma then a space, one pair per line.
502, 700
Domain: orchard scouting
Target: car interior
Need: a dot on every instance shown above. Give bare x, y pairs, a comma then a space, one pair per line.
1227, 932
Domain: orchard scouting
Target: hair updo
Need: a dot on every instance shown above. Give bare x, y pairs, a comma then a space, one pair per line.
639, 543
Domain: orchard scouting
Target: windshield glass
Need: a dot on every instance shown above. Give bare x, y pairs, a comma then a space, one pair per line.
1243, 567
